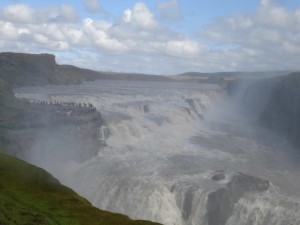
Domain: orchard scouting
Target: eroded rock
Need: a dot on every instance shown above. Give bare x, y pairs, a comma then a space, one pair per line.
220, 203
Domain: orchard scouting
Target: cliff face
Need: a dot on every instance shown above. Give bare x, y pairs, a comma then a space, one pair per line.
24, 125
60, 131
274, 103
252, 95
22, 69
18, 69
282, 111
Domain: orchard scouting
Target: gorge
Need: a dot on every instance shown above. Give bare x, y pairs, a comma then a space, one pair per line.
156, 148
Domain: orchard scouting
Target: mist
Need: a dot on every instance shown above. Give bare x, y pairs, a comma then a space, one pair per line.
159, 153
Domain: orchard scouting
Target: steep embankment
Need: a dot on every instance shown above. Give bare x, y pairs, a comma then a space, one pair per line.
281, 113
20, 122
29, 195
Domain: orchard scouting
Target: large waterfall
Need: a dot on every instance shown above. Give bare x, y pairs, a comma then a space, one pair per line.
169, 146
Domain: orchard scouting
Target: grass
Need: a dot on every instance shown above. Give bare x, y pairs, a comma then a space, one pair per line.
31, 196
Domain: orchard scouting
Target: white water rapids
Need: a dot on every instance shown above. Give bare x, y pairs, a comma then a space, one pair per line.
165, 141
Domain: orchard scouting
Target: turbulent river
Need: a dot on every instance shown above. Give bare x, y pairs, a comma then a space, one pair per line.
165, 144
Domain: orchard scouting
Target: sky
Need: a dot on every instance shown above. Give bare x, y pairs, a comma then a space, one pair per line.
164, 37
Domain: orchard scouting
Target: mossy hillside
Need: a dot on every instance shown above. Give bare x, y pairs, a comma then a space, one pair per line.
29, 195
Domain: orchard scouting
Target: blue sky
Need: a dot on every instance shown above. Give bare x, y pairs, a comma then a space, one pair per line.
194, 13
158, 36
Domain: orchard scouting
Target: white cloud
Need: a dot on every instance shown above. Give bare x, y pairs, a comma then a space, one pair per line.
23, 14
183, 48
18, 13
266, 39
92, 5
140, 16
137, 35
58, 14
8, 31
169, 10
268, 35
100, 38
127, 16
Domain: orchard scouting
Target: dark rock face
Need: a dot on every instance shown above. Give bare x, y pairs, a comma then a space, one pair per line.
273, 102
19, 69
188, 203
218, 177
73, 129
220, 203
251, 95
146, 108
282, 110
22, 69
241, 183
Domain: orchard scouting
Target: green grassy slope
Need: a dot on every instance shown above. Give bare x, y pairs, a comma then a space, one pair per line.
31, 196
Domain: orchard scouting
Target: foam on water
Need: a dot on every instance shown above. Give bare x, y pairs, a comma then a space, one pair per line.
165, 142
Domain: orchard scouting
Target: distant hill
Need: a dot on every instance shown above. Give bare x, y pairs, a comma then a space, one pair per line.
22, 69
218, 77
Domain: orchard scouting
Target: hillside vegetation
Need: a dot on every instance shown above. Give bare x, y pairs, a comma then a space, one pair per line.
29, 195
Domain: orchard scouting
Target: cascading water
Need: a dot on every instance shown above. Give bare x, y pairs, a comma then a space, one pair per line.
165, 143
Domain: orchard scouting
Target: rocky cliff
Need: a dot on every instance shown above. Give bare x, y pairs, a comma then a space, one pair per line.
252, 94
20, 69
47, 127
274, 103
23, 125
220, 203
282, 110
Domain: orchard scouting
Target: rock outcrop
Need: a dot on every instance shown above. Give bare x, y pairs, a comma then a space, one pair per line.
76, 130
220, 203
22, 69
282, 110
19, 69
251, 95
273, 103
